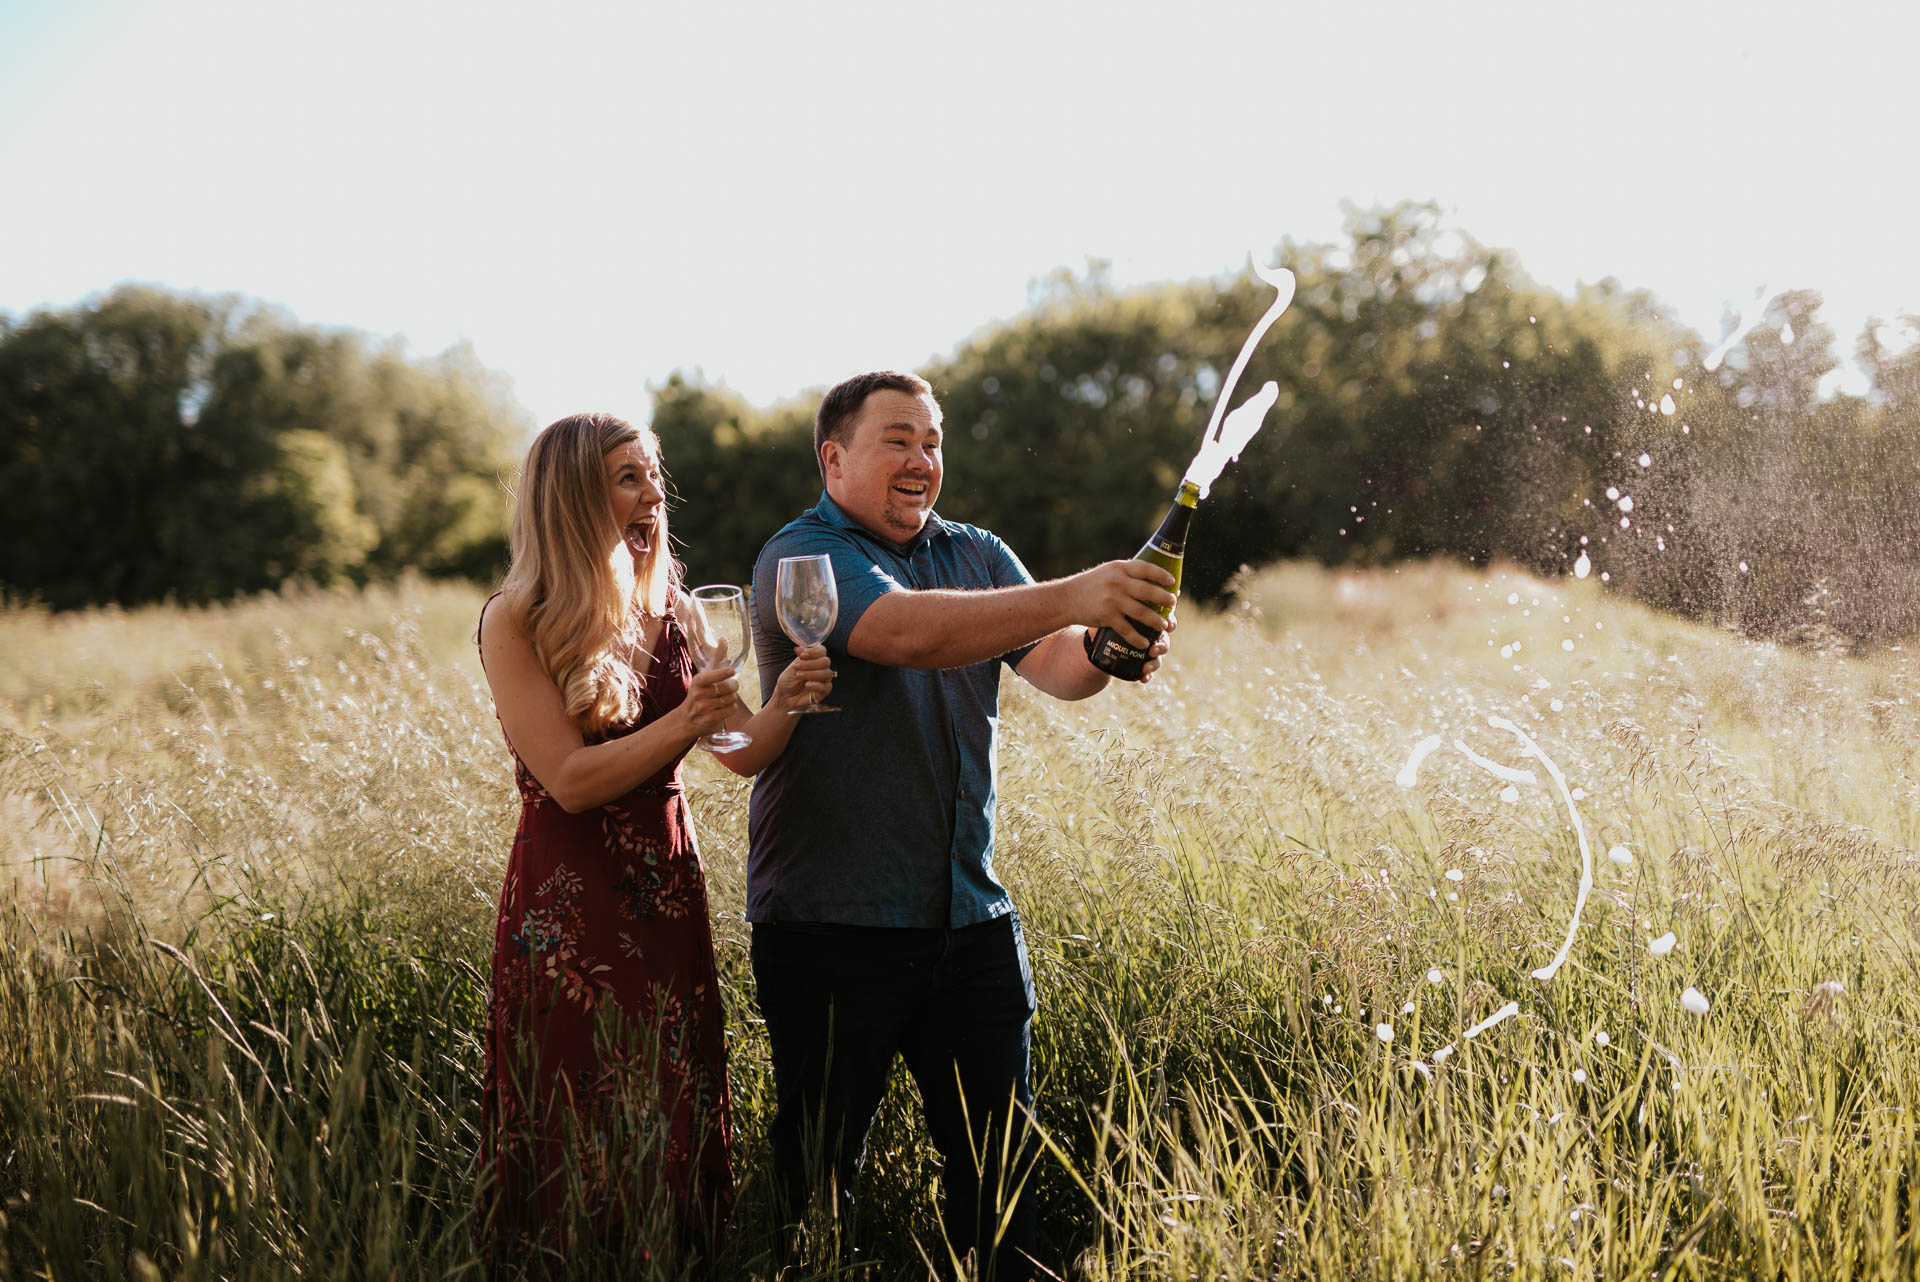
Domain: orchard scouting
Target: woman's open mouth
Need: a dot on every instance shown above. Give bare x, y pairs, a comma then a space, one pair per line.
639, 536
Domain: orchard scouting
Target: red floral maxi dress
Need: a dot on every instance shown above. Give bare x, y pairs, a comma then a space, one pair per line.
606, 1078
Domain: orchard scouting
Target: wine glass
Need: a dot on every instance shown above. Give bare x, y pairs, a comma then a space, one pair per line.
807, 603
720, 640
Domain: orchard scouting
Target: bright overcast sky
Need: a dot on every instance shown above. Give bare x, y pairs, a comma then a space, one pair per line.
782, 194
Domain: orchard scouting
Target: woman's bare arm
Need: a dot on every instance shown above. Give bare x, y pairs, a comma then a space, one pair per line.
575, 774
808, 676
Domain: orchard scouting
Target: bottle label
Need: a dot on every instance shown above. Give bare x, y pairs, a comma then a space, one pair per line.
1115, 656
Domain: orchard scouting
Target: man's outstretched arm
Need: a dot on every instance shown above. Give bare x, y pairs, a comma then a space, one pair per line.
948, 628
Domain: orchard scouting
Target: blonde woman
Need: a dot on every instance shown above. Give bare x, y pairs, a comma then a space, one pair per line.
606, 1077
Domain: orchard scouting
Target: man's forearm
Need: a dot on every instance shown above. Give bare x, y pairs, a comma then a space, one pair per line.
1058, 666
951, 629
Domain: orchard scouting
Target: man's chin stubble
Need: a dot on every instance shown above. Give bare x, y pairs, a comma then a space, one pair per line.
906, 527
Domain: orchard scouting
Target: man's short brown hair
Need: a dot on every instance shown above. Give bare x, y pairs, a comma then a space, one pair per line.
834, 420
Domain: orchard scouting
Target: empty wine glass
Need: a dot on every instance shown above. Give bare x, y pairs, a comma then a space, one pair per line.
720, 637
807, 603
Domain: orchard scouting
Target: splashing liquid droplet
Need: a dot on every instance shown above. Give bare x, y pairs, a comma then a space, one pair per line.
1662, 946
1504, 1013
1694, 1001
1582, 567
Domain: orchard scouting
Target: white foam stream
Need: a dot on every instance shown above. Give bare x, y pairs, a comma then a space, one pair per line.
1225, 439
1494, 768
1409, 774
1548, 971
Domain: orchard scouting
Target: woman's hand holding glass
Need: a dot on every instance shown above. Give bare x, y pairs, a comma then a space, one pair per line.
712, 697
721, 638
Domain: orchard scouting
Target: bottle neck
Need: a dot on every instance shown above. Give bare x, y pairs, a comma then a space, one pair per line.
1171, 537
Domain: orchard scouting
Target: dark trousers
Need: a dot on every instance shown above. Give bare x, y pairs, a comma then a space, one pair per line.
841, 1001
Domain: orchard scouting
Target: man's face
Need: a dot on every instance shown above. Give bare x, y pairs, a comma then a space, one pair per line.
887, 475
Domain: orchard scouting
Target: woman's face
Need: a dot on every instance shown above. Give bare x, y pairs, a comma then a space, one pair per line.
635, 493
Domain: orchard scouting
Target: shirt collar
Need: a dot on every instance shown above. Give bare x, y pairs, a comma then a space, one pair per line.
833, 514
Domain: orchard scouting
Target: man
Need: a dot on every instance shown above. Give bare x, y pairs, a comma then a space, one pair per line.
879, 927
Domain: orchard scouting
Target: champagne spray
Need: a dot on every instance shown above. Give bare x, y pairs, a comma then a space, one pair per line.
1226, 436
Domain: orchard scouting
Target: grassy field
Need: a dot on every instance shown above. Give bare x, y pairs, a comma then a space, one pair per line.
249, 861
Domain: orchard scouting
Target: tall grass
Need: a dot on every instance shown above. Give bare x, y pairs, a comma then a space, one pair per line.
251, 900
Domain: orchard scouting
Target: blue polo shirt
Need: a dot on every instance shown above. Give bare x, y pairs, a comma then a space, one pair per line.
880, 814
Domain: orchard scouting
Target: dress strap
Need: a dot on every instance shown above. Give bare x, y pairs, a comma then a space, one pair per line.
479, 622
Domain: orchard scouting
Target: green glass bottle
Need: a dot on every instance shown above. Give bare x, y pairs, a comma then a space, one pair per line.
1166, 549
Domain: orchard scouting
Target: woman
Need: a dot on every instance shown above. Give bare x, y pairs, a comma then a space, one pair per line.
606, 1090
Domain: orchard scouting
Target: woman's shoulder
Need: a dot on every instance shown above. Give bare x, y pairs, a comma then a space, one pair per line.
502, 623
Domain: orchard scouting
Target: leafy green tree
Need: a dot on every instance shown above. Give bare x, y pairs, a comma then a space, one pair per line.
175, 445
117, 490
735, 473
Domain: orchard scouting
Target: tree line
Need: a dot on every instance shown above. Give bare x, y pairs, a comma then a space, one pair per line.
156, 445
1434, 401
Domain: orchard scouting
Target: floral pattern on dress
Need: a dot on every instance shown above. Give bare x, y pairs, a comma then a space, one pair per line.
655, 881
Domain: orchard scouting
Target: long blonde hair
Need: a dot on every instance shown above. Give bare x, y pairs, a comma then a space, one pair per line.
571, 579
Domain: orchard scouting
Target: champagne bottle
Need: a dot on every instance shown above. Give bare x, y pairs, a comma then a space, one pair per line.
1166, 549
